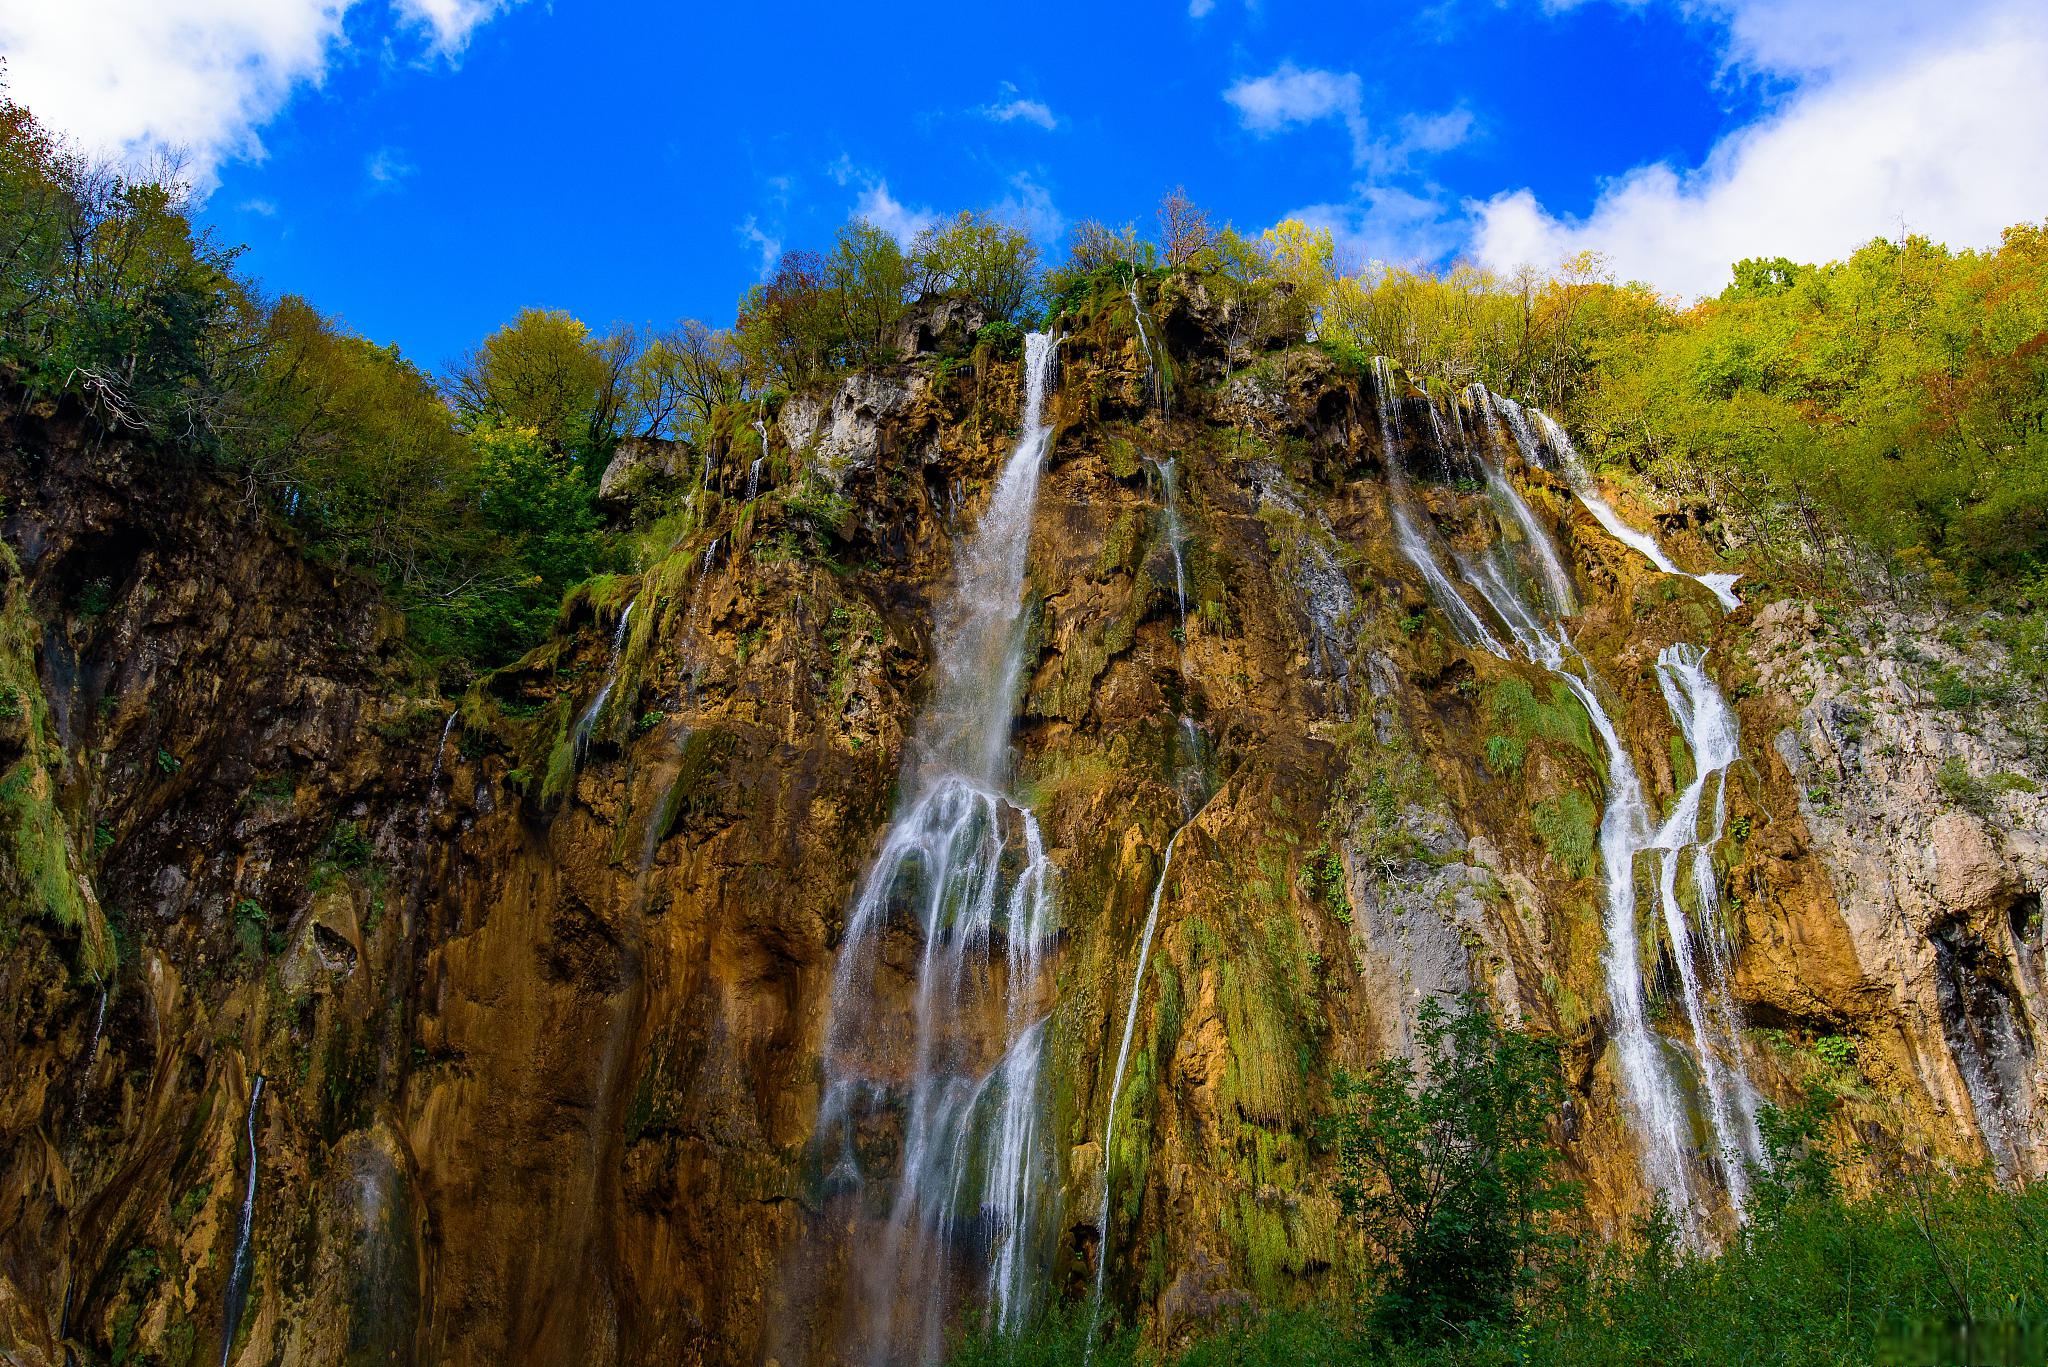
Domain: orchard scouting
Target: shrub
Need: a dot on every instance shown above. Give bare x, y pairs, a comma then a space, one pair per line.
1452, 1171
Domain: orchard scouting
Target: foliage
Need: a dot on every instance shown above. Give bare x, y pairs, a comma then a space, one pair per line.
1453, 1174
108, 294
978, 257
546, 374
1930, 1267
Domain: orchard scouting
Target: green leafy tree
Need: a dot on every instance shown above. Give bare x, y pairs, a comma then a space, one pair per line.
978, 257
1452, 1169
545, 372
107, 292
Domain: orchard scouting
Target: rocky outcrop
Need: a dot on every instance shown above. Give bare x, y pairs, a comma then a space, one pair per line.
538, 981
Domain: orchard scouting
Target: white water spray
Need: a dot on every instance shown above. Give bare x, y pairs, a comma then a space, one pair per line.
966, 863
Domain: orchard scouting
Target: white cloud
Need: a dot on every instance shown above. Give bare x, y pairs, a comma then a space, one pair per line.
1199, 9
770, 247
1945, 138
1011, 107
262, 207
1435, 132
882, 209
1030, 204
135, 79
1293, 96
449, 23
1386, 223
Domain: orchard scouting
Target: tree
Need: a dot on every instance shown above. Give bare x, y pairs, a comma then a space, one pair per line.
990, 263
108, 293
1183, 228
870, 281
545, 372
1454, 1174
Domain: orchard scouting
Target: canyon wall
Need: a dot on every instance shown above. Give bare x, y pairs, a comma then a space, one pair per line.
540, 981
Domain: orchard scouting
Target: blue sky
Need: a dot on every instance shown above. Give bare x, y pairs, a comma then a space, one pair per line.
425, 168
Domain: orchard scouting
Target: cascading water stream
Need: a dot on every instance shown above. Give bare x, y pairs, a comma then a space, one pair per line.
1710, 734
1116, 1085
1722, 586
961, 1063
587, 722
1650, 1089
754, 470
1155, 375
238, 1273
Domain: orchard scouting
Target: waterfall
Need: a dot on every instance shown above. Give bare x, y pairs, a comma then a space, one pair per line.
1170, 515
1722, 586
754, 470
961, 1063
238, 1274
586, 722
1155, 376
441, 749
87, 1059
1650, 1089
1116, 1085
1709, 728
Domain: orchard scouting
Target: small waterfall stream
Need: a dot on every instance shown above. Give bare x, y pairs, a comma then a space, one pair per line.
1507, 578
960, 1064
1116, 1085
245, 1227
754, 470
586, 722
1722, 586
1188, 781
1155, 372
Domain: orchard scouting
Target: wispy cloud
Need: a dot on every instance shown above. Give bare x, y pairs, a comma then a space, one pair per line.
448, 24
1011, 107
751, 231
1291, 97
386, 167
1030, 204
261, 207
902, 222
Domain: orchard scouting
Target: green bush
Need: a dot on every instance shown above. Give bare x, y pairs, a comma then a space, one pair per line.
1452, 1171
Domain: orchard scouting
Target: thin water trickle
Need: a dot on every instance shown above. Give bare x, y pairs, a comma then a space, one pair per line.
1155, 375
587, 720
961, 1062
441, 750
238, 1274
1116, 1085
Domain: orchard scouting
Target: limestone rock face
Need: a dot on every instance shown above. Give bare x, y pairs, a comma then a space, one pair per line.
1928, 814
639, 461
846, 430
539, 986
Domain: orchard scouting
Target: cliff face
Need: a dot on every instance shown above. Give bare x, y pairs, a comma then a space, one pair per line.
543, 996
